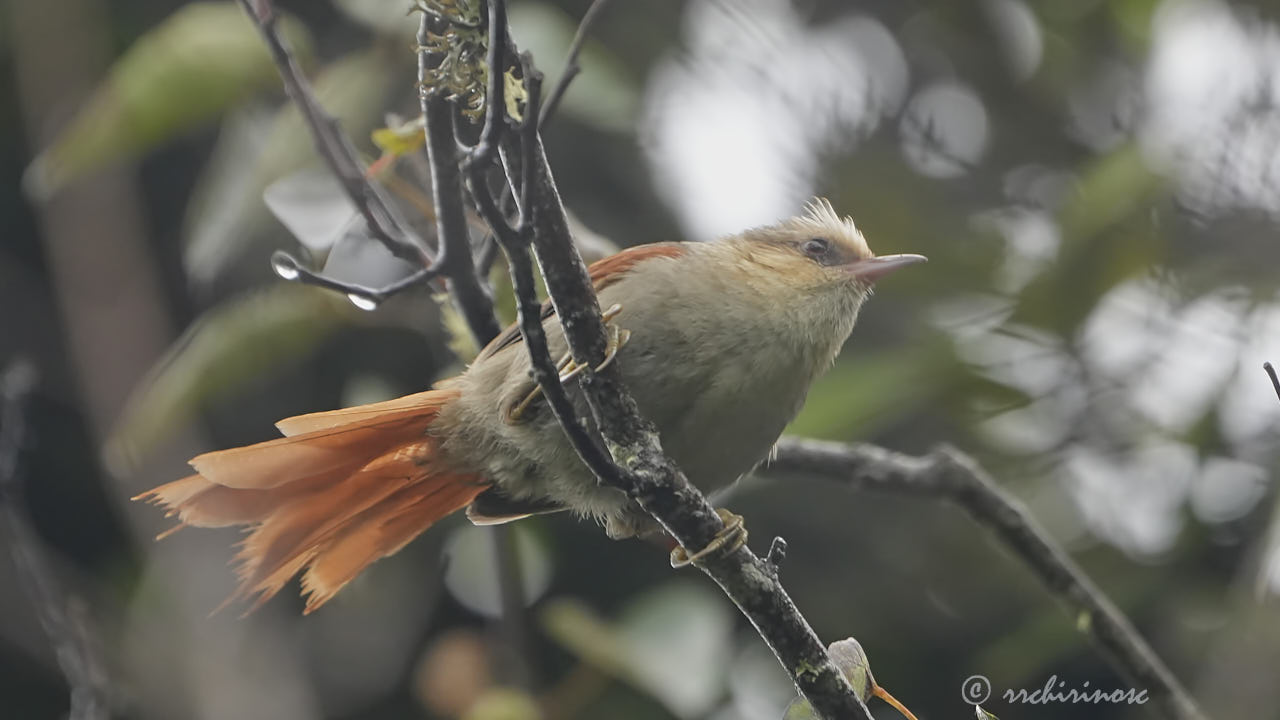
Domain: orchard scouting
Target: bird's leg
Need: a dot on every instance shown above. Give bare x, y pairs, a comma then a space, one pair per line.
731, 537
568, 368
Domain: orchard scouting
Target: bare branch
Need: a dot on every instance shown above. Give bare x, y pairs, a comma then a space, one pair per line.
571, 66
367, 298
333, 145
1271, 373
63, 621
948, 473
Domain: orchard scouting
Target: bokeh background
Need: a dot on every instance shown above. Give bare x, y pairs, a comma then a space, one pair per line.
1097, 186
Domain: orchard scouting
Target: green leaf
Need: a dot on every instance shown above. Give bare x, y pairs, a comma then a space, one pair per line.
237, 341
849, 656
185, 72
504, 704
1112, 189
402, 139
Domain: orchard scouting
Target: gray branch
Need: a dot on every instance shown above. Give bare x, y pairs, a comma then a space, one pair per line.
948, 473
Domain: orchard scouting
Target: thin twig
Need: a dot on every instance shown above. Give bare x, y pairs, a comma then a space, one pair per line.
571, 66
290, 268
642, 471
948, 473
333, 145
446, 195
1271, 373
65, 627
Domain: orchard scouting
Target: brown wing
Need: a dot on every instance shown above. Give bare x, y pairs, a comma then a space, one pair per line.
603, 273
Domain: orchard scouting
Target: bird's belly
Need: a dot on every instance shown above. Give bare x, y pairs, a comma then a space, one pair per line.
717, 420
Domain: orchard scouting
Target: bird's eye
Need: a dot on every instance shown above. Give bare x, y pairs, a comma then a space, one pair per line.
816, 248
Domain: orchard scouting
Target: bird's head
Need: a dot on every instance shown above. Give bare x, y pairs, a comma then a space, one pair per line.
817, 253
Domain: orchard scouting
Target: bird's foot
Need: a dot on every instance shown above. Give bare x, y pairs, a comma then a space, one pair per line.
568, 368
731, 537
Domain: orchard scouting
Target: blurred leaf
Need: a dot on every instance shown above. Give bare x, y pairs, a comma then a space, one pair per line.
460, 341
186, 71
402, 139
673, 643
576, 627
472, 577
312, 205
864, 392
1108, 236
604, 95
504, 704
1133, 20
229, 345
227, 212
983, 714
1112, 189
385, 16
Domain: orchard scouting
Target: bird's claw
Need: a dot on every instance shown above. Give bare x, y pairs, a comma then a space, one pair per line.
731, 537
568, 368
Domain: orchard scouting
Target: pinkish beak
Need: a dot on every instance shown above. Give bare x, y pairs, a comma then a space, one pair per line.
872, 269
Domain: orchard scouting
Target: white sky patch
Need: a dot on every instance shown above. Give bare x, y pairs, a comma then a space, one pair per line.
1250, 411
1127, 327
736, 125
944, 130
1193, 365
1213, 105
1134, 501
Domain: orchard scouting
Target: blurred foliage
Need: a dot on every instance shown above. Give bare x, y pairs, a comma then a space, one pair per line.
202, 60
1093, 182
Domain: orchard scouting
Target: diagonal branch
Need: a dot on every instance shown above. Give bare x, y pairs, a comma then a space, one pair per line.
333, 145
571, 65
949, 474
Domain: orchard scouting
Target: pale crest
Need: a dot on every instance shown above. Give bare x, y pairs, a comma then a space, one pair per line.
821, 218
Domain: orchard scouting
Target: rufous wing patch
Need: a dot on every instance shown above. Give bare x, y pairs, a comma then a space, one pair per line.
603, 273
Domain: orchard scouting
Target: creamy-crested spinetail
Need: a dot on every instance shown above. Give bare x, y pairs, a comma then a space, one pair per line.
722, 341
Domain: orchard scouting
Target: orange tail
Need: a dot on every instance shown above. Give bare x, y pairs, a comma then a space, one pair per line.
341, 490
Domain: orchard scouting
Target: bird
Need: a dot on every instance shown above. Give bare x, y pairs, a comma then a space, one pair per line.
719, 342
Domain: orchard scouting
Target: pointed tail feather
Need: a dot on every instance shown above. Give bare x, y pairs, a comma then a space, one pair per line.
345, 489
381, 531
326, 449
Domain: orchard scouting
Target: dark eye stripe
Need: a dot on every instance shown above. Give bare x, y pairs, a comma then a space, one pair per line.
826, 252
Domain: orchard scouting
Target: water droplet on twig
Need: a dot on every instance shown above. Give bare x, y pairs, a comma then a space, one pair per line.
364, 302
284, 265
